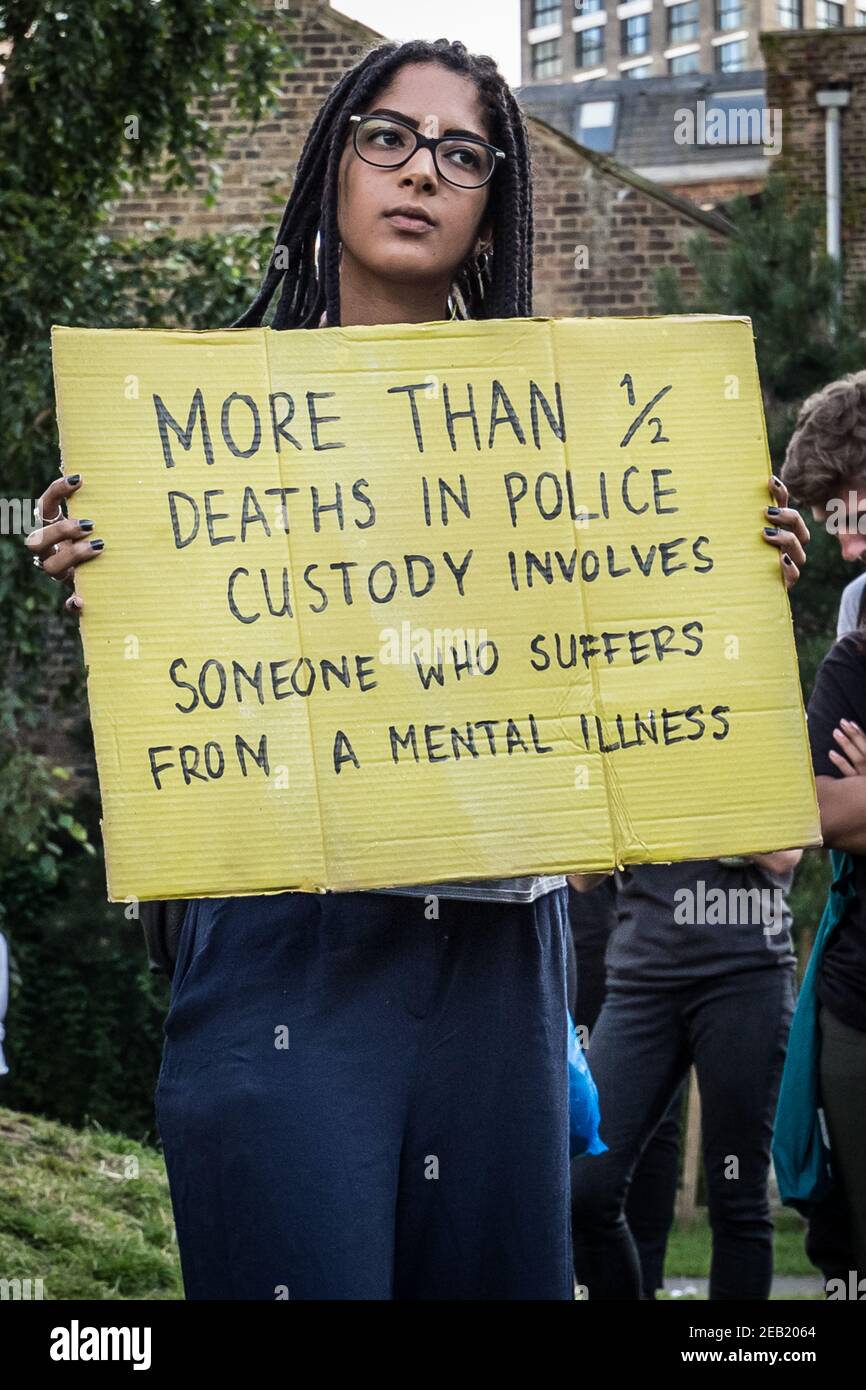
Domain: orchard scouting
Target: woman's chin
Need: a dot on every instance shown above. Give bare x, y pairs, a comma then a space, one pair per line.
410, 266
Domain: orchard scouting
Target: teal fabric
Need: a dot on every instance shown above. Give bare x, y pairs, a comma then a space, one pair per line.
801, 1153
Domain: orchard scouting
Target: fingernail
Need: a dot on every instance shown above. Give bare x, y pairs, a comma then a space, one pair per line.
774, 511
777, 482
787, 560
87, 525
75, 478
771, 530
97, 545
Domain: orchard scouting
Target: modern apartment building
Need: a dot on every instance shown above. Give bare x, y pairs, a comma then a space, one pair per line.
580, 40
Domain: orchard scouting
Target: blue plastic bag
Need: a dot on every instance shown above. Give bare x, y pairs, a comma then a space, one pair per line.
583, 1111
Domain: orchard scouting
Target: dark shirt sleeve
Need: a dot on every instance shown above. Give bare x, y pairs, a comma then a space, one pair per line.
839, 693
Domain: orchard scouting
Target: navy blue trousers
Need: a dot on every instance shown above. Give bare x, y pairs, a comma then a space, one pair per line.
357, 1102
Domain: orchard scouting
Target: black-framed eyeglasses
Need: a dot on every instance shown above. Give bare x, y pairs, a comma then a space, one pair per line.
388, 143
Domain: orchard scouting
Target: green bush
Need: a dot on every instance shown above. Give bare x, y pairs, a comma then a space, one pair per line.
94, 99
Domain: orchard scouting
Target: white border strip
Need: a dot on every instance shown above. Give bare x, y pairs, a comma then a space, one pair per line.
544, 32
594, 20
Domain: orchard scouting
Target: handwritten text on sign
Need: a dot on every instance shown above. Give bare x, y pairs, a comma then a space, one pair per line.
391, 605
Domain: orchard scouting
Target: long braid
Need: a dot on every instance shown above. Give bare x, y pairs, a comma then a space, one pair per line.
499, 287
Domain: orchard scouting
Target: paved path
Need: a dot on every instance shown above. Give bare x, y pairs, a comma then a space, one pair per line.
784, 1286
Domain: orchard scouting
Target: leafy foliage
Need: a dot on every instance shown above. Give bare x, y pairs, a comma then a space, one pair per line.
807, 333
92, 101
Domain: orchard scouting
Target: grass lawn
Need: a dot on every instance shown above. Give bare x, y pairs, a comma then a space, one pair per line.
689, 1250
88, 1212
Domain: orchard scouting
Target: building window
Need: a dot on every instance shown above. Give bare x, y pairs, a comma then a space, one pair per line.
790, 14
635, 35
829, 15
545, 12
546, 59
860, 18
588, 6
596, 125
683, 22
684, 62
729, 14
589, 48
640, 70
731, 57
743, 117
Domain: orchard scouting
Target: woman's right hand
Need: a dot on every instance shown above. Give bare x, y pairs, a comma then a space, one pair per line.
63, 544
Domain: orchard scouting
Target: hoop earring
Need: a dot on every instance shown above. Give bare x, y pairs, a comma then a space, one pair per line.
453, 303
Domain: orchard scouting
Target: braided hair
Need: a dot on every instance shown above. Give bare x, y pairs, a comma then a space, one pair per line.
501, 287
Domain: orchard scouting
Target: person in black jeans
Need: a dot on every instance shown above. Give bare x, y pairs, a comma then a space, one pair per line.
700, 970
653, 1190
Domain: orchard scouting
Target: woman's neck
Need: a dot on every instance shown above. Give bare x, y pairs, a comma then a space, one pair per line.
365, 299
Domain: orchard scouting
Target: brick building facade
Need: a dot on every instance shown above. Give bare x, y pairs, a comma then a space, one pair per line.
602, 232
799, 65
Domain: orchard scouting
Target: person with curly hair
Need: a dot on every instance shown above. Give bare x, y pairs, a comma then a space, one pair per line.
825, 469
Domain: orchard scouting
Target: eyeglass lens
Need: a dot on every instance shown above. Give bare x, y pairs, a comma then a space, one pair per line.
386, 143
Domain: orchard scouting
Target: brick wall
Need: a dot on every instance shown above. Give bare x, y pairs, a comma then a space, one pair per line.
715, 191
799, 64
580, 199
259, 164
629, 228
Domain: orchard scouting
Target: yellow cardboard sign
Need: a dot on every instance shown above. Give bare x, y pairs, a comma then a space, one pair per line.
394, 605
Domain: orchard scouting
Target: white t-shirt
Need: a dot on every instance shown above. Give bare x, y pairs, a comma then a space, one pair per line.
850, 605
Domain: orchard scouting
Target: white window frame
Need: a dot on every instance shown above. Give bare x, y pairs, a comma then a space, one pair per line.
594, 20
738, 36
544, 32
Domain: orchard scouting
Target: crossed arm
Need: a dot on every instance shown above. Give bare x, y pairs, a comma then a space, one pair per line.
842, 800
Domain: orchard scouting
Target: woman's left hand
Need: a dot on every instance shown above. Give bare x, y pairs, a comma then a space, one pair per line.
850, 756
786, 530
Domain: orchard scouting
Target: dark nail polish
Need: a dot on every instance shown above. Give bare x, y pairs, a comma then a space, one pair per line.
75, 478
777, 482
771, 530
787, 560
97, 545
87, 525
774, 511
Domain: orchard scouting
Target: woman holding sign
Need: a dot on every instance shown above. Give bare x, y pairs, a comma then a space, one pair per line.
363, 1095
